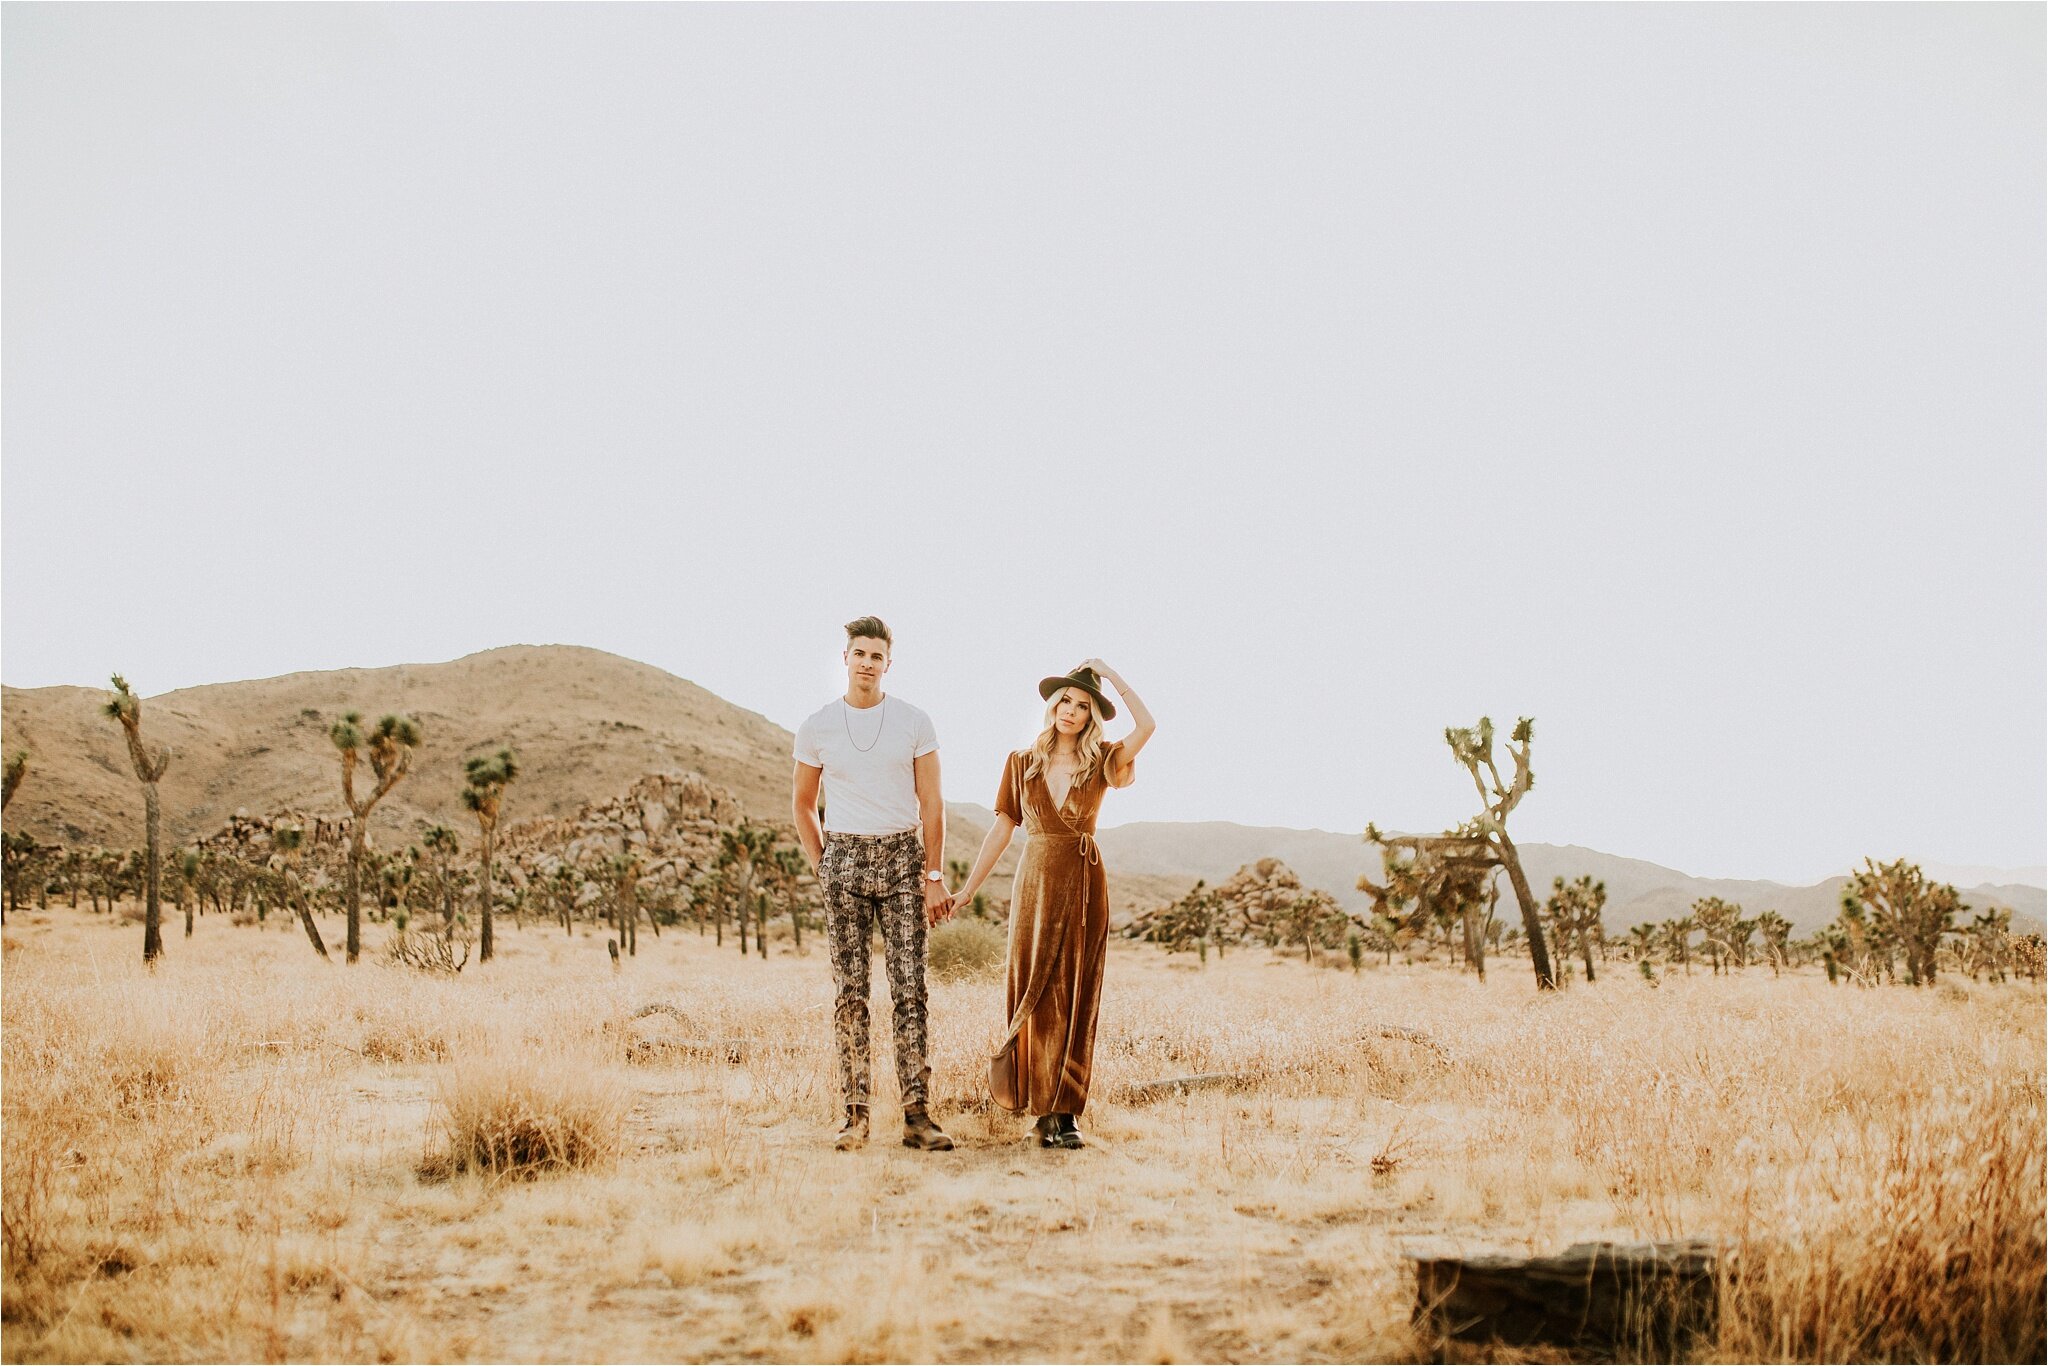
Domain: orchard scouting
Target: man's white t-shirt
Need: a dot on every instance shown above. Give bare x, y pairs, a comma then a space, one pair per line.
866, 753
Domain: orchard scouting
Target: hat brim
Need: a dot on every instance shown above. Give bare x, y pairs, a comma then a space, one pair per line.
1048, 686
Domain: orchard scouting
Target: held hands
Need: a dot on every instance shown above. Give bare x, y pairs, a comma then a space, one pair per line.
938, 906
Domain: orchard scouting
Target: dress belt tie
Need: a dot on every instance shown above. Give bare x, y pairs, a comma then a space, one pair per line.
1089, 851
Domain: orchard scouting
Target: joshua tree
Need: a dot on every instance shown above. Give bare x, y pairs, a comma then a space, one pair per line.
390, 748
484, 793
188, 884
1642, 942
442, 846
1574, 909
1902, 906
1990, 938
786, 868
288, 841
1678, 935
619, 876
744, 853
1777, 933
17, 769
1717, 920
1435, 886
562, 887
126, 708
1190, 923
1314, 920
1483, 841
24, 862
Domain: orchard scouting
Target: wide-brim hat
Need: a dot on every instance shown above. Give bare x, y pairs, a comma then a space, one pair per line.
1086, 680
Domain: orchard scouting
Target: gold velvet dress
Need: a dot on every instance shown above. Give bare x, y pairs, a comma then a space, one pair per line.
1059, 935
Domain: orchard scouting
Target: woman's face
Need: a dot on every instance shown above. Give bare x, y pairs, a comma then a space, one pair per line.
1070, 712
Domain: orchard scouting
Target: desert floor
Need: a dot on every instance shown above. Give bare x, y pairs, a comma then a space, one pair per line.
238, 1156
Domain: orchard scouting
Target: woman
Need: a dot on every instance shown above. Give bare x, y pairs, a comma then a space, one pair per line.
1059, 905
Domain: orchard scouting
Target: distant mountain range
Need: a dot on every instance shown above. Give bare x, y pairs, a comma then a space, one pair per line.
1636, 890
587, 724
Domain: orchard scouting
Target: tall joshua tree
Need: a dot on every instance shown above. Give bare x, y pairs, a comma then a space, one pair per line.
1483, 841
125, 707
389, 746
486, 781
1904, 908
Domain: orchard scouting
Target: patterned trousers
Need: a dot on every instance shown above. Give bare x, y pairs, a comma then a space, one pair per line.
870, 879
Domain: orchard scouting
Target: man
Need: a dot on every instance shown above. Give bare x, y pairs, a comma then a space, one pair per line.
878, 760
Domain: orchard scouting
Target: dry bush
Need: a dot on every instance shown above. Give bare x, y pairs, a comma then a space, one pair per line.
961, 949
427, 951
1928, 1247
524, 1109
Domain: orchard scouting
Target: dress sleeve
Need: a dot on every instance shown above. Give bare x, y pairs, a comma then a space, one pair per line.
1010, 796
1115, 766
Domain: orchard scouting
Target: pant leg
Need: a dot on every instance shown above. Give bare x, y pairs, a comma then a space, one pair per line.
848, 915
903, 935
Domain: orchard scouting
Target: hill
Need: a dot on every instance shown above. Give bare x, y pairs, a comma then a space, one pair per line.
586, 724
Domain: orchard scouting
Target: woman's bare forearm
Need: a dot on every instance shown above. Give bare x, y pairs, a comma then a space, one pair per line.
992, 845
1141, 716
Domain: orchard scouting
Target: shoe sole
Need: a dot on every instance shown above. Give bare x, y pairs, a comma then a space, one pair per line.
923, 1146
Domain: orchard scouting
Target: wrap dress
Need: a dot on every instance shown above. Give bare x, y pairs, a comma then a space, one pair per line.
1059, 935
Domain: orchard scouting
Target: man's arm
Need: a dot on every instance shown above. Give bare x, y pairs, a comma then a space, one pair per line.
804, 788
931, 814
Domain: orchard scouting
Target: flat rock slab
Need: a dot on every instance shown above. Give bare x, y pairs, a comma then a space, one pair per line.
1628, 1299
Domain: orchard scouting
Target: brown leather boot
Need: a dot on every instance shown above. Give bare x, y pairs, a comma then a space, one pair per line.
854, 1133
920, 1132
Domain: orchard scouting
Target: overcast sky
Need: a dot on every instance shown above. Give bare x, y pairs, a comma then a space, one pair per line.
1674, 375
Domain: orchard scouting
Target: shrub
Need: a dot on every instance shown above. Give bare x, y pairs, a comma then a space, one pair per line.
521, 1113
965, 948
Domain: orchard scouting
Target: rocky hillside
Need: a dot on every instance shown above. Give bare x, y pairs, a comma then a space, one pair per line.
586, 725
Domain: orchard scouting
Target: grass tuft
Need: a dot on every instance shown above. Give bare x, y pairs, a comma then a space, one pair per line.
523, 1112
962, 949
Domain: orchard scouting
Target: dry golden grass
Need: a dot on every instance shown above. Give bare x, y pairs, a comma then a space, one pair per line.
250, 1154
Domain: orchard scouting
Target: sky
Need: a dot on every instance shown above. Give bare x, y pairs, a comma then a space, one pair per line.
1671, 374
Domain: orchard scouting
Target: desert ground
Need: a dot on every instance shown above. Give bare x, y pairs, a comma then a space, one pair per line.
251, 1154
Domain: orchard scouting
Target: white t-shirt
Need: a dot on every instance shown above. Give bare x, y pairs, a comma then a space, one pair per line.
866, 753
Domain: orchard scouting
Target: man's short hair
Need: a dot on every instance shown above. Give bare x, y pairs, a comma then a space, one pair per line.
870, 628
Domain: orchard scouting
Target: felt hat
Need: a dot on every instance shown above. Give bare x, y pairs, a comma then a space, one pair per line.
1086, 680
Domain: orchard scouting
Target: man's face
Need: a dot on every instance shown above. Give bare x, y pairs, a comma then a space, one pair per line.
867, 659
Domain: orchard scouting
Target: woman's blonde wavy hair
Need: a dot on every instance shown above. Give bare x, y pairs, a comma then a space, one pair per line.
1088, 743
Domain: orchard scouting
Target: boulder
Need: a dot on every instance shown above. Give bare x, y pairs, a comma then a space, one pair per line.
1638, 1301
